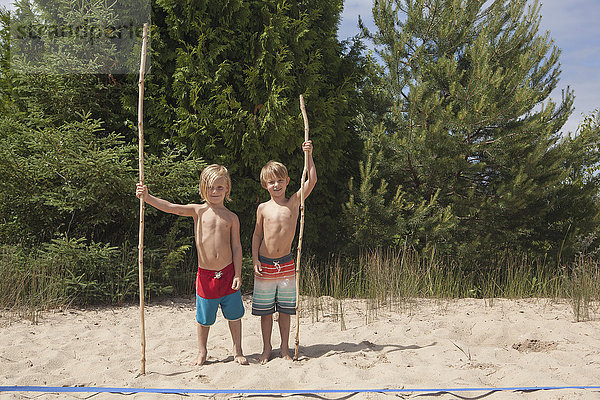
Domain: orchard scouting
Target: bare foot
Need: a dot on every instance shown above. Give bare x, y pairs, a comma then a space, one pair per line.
265, 356
285, 354
240, 360
200, 359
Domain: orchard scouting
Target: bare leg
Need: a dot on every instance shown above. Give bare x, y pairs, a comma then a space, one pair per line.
202, 339
235, 327
266, 326
284, 330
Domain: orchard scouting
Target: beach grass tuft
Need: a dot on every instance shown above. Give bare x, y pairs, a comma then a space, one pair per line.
32, 282
29, 285
391, 278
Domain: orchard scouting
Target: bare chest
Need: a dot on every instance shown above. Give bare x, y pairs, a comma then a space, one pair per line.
281, 217
211, 224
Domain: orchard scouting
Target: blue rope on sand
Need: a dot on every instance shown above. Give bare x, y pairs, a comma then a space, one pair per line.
70, 389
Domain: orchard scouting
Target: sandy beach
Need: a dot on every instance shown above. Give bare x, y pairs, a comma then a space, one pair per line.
469, 343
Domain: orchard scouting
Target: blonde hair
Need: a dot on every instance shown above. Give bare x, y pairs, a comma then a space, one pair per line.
272, 169
209, 175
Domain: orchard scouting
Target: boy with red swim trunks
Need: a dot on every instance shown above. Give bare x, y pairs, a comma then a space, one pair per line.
274, 269
219, 277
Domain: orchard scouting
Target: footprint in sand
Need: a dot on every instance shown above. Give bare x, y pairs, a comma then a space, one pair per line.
534, 345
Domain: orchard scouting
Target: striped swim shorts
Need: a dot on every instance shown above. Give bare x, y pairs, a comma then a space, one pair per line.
275, 290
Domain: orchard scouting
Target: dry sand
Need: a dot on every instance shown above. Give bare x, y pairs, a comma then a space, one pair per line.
423, 344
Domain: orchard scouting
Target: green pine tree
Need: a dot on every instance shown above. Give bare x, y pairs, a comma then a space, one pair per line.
471, 124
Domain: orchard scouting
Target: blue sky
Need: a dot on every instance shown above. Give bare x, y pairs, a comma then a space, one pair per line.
573, 24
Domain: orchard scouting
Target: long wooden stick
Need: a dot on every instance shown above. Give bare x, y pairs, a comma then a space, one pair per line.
141, 166
304, 172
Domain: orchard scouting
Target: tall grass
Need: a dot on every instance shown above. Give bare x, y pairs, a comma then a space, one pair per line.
62, 272
583, 286
28, 284
391, 278
73, 271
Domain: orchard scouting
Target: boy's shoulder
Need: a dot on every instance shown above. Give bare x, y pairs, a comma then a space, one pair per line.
219, 212
274, 205
266, 204
230, 213
197, 207
226, 212
203, 207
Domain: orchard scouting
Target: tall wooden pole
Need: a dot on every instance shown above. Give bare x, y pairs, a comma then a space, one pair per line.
304, 172
142, 207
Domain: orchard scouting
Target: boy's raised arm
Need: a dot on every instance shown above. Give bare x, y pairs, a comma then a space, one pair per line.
186, 210
311, 179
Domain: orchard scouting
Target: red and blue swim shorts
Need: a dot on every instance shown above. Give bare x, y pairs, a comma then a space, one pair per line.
213, 289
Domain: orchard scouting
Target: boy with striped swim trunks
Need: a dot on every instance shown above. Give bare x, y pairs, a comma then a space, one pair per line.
274, 268
217, 235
